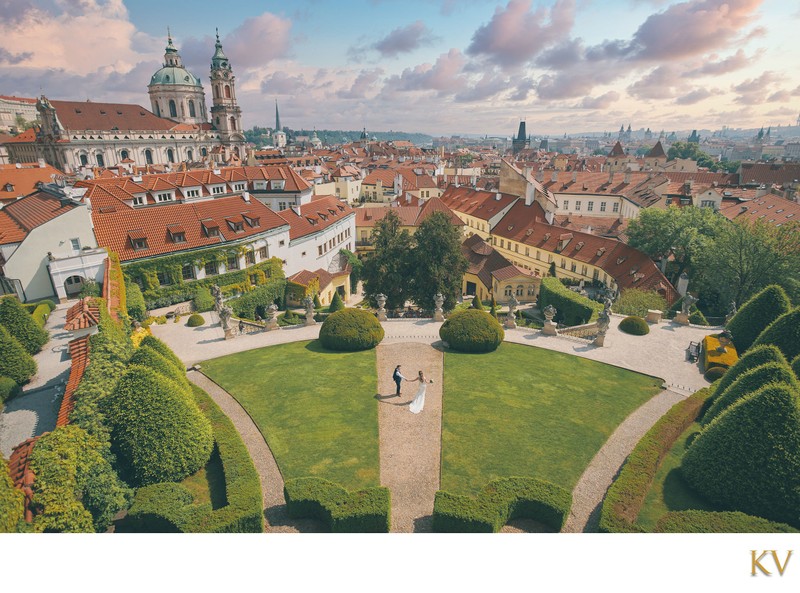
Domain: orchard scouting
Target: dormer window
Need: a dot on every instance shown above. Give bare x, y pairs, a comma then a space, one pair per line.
219, 189
192, 193
239, 187
138, 240
9, 187
177, 233
138, 200
601, 251
278, 184
620, 260
164, 197
236, 224
253, 222
210, 228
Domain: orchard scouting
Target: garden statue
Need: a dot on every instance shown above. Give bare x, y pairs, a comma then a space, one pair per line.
725, 339
550, 312
216, 292
308, 303
225, 314
381, 298
438, 300
272, 317
603, 321
511, 320
550, 328
687, 303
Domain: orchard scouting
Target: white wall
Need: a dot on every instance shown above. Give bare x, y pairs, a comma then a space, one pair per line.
309, 245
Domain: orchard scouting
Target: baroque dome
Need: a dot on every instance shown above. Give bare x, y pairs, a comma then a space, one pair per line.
174, 75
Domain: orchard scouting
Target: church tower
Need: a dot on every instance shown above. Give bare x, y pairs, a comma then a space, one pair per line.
175, 92
226, 115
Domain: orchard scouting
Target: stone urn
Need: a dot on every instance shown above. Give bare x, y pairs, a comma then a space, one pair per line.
272, 317
438, 313
308, 303
511, 320
550, 328
381, 299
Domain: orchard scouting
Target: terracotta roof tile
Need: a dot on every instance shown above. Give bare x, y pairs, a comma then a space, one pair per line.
316, 216
77, 116
21, 474
768, 208
79, 353
483, 259
83, 314
21, 181
476, 203
21, 216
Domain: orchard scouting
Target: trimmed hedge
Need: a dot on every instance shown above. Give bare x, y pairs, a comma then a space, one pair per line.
715, 374
572, 308
796, 366
750, 382
627, 494
635, 326
15, 362
337, 304
696, 317
753, 358
12, 501
724, 522
499, 502
748, 458
167, 507
471, 330
21, 325
147, 356
363, 511
756, 314
350, 330
203, 300
157, 431
40, 314
135, 301
195, 320
262, 297
784, 333
637, 301
152, 342
8, 389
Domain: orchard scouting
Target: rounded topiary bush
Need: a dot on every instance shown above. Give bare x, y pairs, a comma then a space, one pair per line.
350, 330
748, 458
8, 389
753, 358
164, 350
195, 320
147, 356
796, 366
15, 362
157, 431
636, 326
471, 330
714, 373
784, 333
21, 325
696, 317
756, 314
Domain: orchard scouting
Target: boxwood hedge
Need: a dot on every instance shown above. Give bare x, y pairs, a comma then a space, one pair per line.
195, 320
11, 501
784, 333
21, 325
753, 358
572, 308
796, 366
626, 495
349, 330
135, 301
471, 330
15, 362
8, 389
636, 326
756, 314
40, 314
147, 356
363, 511
499, 502
713, 522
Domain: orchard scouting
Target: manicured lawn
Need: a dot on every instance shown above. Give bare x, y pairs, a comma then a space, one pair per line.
669, 491
315, 408
523, 411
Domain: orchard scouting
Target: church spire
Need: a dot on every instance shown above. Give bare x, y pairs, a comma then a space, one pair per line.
277, 118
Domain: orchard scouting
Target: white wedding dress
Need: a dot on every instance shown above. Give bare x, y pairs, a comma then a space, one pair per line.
419, 400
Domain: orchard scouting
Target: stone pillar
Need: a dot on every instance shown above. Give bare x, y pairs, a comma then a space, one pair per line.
681, 318
600, 339
381, 298
438, 313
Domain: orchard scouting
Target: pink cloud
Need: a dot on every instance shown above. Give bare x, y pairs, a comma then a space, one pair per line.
444, 76
730, 64
404, 40
602, 102
694, 96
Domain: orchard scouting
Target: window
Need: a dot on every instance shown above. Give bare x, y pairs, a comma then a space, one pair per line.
187, 272
578, 206
164, 197
189, 155
590, 207
516, 247
595, 274
233, 262
218, 190
520, 290
566, 204
148, 156
602, 206
163, 278
563, 264
281, 243
527, 251
100, 160
84, 160
232, 121
539, 255
502, 243
139, 244
173, 111
178, 237
124, 154
249, 258
212, 269
616, 207
319, 250
193, 193
281, 205
239, 187
192, 112
707, 204
574, 267
508, 291
550, 258
583, 270
138, 200
204, 152
170, 155
262, 253
76, 244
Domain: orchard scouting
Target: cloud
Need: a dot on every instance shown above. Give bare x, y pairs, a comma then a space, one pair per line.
602, 102
694, 96
272, 29
516, 35
523, 89
754, 90
6, 57
730, 64
283, 83
404, 40
487, 87
363, 83
444, 76
659, 83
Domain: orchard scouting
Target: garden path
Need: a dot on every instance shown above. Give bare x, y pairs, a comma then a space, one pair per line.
410, 444
276, 518
592, 486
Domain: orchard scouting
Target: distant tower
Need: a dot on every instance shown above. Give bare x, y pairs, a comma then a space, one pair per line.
175, 92
521, 142
225, 113
278, 136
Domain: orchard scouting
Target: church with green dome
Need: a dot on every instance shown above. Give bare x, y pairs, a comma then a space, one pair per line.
175, 92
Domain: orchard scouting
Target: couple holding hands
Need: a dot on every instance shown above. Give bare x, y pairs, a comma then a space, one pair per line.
419, 399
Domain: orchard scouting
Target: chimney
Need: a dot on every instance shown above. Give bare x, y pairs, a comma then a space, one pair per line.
611, 177
574, 176
627, 177
555, 176
42, 164
498, 196
18, 165
246, 196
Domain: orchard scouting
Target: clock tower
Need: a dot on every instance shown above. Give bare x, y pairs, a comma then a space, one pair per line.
226, 115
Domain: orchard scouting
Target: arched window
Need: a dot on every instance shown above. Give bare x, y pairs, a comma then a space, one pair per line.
227, 92
216, 92
520, 290
173, 110
158, 111
170, 155
508, 291
101, 162
189, 154
84, 160
233, 123
192, 112
203, 151
148, 156
123, 154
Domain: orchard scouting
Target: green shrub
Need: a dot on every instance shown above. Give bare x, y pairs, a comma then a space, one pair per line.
499, 502
714, 373
317, 304
337, 304
163, 350
135, 301
756, 314
11, 501
753, 358
203, 300
90, 288
476, 303
784, 333
636, 326
149, 357
363, 511
638, 301
195, 320
571, 308
350, 330
259, 298
748, 458
627, 493
696, 317
15, 362
51, 305
711, 522
750, 382
470, 330
8, 389
157, 431
40, 314
21, 325
796, 366
74, 482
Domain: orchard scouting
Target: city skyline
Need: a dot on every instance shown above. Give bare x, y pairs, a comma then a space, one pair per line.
565, 67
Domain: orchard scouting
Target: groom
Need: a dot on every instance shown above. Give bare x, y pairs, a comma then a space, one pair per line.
398, 378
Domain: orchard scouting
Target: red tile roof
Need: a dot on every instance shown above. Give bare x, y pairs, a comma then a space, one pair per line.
476, 203
77, 116
769, 173
28, 135
617, 150
701, 177
21, 473
79, 353
510, 271
20, 181
604, 226
316, 216
767, 208
82, 315
19, 99
21, 216
483, 259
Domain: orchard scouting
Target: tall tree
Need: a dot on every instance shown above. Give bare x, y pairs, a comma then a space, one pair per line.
438, 264
357, 268
387, 269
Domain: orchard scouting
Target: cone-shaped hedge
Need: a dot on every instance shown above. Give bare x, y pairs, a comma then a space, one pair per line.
750, 382
748, 458
163, 350
476, 303
15, 362
350, 330
470, 330
753, 358
337, 304
157, 431
147, 356
21, 325
784, 333
756, 314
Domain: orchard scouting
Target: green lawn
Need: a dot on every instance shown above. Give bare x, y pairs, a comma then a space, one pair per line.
669, 491
524, 411
207, 484
315, 408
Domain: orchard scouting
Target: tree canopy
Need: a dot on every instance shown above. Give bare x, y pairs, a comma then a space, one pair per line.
387, 269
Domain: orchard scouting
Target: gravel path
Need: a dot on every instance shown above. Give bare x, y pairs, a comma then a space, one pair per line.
601, 471
410, 444
276, 519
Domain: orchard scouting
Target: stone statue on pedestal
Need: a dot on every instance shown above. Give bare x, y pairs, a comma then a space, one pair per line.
511, 320
438, 313
550, 328
216, 292
731, 312
308, 303
272, 317
225, 314
381, 299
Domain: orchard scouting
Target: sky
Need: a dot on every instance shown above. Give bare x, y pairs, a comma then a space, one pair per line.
434, 66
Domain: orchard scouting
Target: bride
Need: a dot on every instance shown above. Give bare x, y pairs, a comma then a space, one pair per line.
419, 400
